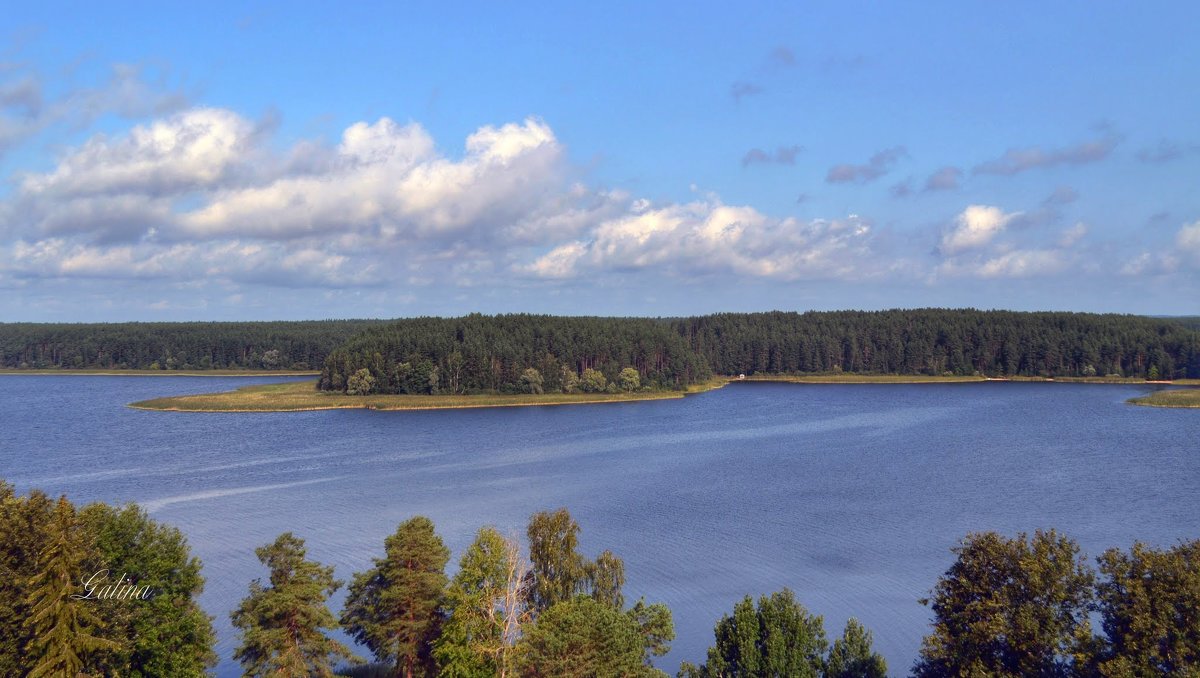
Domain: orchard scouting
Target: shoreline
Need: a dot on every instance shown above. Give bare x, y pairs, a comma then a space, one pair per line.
302, 396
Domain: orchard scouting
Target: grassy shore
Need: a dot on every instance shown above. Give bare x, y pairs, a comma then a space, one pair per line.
163, 373
1186, 397
302, 396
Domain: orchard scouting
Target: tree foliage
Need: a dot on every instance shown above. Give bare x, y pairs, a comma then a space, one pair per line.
50, 550
584, 638
488, 607
778, 637
166, 634
181, 345
283, 625
66, 633
396, 607
1010, 607
852, 655
1149, 602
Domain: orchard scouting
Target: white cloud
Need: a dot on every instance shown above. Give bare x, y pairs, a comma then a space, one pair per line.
1072, 235
709, 237
975, 227
1188, 239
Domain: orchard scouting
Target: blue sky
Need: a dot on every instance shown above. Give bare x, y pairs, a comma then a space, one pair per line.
312, 161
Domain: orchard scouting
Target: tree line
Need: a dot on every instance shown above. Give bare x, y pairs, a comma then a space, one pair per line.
1007, 607
508, 353
944, 341
513, 354
521, 352
298, 345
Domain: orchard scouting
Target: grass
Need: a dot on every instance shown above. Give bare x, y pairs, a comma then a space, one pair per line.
1185, 397
298, 396
99, 372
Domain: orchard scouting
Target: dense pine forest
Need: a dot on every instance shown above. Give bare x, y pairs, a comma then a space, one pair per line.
534, 353
507, 353
299, 345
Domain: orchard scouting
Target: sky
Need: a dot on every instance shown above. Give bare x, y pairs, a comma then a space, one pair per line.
236, 161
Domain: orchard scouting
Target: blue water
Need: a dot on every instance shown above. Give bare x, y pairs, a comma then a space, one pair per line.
851, 495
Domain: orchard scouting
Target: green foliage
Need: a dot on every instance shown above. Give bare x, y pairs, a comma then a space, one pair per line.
558, 572
531, 380
852, 655
473, 641
655, 626
283, 624
569, 381
629, 380
24, 528
1149, 602
167, 634
186, 345
593, 381
360, 383
607, 577
777, 638
1010, 607
583, 638
937, 341
66, 632
395, 608
480, 353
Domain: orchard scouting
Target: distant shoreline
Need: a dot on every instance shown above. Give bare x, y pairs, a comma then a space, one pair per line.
302, 396
157, 373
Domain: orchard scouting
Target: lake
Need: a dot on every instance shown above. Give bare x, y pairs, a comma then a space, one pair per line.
852, 495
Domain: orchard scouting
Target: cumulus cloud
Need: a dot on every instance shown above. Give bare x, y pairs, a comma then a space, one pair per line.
706, 237
783, 155
878, 165
1017, 160
975, 227
945, 179
129, 91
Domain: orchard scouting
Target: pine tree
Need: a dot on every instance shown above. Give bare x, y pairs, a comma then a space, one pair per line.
852, 655
395, 608
64, 627
283, 624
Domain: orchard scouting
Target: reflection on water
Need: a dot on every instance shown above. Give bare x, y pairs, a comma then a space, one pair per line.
852, 495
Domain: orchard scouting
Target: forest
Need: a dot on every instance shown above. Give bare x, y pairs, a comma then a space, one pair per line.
295, 345
506, 353
533, 353
1008, 606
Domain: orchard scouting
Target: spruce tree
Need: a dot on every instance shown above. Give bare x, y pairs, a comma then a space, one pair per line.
65, 629
283, 624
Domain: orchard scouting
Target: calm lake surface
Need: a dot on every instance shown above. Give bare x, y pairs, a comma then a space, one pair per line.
852, 495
